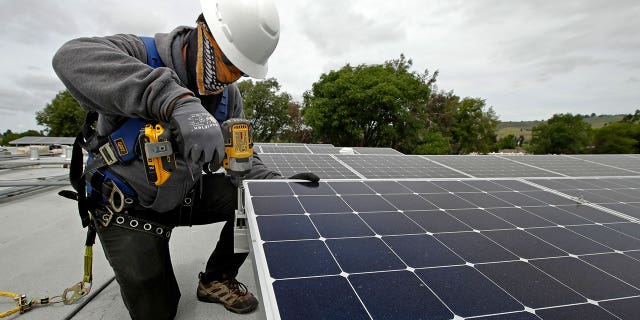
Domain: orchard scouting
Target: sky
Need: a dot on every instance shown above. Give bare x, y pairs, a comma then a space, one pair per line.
529, 59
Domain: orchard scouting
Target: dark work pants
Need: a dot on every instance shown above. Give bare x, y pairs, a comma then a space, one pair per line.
141, 261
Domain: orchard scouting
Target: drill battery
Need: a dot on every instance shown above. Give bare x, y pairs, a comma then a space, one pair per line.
238, 146
158, 155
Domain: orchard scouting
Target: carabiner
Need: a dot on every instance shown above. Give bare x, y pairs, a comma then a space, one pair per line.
116, 191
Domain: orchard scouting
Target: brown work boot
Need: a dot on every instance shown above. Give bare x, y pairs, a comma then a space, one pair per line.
231, 293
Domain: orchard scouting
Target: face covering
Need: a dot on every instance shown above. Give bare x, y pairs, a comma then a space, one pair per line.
208, 69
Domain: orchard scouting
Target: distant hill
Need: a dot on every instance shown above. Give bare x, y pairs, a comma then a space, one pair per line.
518, 128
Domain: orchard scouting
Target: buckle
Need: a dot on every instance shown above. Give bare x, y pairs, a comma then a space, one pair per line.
108, 154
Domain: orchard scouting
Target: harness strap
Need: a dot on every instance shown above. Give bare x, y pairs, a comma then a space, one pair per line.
106, 217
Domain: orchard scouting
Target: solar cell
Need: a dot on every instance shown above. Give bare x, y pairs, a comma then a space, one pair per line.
284, 149
621, 161
371, 150
409, 249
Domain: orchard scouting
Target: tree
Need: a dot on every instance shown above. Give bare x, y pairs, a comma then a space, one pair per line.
619, 137
267, 109
507, 142
369, 105
562, 134
297, 131
474, 130
62, 117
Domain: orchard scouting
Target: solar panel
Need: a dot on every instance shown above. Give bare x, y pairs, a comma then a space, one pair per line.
622, 161
619, 194
569, 166
381, 166
373, 150
487, 166
324, 166
418, 249
317, 149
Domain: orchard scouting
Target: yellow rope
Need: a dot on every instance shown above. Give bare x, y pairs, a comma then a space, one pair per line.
12, 311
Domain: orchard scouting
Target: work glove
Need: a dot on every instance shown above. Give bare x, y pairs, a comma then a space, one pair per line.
312, 177
197, 133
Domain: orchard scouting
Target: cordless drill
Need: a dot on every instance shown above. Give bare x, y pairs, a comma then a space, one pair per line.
238, 147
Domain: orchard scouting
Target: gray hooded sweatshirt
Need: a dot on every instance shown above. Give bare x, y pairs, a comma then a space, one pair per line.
110, 75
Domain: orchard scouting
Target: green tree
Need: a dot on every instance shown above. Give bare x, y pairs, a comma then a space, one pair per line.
62, 117
9, 136
369, 105
562, 134
297, 131
619, 137
434, 143
267, 109
507, 142
474, 130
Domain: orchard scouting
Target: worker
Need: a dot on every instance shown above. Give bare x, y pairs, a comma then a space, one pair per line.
190, 91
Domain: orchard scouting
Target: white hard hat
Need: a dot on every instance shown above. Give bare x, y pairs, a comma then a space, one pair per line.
247, 31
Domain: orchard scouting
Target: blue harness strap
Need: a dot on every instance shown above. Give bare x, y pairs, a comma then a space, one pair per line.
153, 57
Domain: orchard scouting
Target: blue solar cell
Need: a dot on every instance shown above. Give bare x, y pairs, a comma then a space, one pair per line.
276, 205
324, 204
389, 223
330, 298
619, 265
341, 225
628, 228
422, 187
568, 240
409, 202
452, 285
448, 201
292, 259
518, 199
585, 279
483, 200
480, 219
270, 189
524, 244
351, 188
437, 221
288, 227
311, 188
529, 285
511, 316
367, 203
581, 311
387, 187
626, 309
608, 237
474, 247
421, 251
398, 295
558, 215
520, 217
364, 255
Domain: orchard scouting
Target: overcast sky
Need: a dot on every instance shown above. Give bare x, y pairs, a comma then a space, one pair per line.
528, 58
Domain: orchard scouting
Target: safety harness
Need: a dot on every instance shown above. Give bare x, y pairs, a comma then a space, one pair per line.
100, 191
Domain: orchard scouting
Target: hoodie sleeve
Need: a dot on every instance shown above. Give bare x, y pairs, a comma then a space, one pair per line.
109, 75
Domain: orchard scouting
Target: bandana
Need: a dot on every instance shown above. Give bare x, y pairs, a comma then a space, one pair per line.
213, 71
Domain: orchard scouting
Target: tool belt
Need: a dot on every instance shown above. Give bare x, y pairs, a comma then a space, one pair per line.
106, 217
